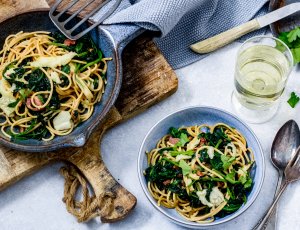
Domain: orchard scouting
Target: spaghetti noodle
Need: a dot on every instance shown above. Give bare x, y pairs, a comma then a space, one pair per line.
49, 84
201, 171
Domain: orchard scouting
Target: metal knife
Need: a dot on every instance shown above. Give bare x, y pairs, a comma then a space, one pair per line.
222, 39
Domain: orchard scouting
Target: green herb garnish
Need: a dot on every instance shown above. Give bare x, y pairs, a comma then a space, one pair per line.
227, 161
292, 40
293, 100
187, 153
186, 169
230, 177
183, 140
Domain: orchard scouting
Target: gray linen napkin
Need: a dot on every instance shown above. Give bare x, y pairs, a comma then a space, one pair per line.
183, 22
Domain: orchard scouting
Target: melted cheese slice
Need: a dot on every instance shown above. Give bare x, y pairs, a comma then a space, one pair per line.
202, 197
62, 121
7, 97
53, 61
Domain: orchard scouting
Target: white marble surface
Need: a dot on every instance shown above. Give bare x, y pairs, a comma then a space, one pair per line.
35, 203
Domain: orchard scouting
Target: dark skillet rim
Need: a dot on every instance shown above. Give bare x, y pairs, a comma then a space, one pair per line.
50, 146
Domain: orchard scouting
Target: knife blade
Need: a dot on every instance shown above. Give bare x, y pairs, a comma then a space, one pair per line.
224, 38
278, 14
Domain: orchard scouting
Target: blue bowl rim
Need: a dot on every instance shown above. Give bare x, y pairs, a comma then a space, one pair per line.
195, 224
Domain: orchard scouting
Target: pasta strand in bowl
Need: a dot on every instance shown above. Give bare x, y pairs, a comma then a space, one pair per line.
48, 84
203, 172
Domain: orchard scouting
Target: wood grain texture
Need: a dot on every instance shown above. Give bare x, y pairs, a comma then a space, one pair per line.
9, 8
146, 61
147, 79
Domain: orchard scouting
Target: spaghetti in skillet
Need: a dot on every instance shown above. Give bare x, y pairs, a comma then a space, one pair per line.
201, 171
49, 84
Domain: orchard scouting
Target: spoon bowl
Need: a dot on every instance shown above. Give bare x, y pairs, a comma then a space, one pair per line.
292, 173
285, 144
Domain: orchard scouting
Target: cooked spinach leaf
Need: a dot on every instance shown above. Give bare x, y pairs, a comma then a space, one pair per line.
204, 156
217, 139
37, 81
13, 104
66, 69
176, 133
161, 171
29, 133
216, 162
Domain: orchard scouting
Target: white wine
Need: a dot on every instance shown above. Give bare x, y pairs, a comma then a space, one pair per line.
261, 72
261, 75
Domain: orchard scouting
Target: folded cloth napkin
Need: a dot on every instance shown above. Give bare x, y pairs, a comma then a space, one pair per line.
184, 22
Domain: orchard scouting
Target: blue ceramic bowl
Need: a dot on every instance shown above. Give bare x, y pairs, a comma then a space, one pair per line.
193, 116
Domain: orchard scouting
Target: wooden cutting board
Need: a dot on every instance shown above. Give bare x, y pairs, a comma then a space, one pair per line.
147, 79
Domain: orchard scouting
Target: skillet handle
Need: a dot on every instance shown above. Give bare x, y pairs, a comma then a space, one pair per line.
122, 33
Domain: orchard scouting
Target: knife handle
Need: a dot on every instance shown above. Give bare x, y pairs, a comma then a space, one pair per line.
222, 39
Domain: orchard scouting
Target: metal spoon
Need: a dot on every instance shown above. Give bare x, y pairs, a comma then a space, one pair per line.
292, 173
283, 148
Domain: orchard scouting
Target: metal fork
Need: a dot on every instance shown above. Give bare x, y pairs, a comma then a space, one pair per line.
292, 173
71, 33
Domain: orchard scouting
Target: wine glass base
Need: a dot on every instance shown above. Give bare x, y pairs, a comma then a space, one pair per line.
252, 115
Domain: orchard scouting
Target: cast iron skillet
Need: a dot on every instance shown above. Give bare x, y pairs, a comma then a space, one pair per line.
285, 24
110, 39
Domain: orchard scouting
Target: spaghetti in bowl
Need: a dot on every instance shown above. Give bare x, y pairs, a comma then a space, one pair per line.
48, 84
38, 20
206, 170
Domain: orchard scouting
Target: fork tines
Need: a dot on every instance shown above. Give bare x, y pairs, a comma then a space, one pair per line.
63, 24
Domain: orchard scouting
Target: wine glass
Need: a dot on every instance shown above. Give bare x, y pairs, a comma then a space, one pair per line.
262, 68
